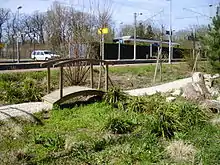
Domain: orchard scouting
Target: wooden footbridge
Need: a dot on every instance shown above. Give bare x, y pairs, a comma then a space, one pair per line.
65, 93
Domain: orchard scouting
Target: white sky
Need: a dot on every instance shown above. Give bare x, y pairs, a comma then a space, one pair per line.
124, 9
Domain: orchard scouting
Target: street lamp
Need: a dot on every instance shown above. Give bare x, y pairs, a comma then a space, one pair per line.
135, 32
170, 33
18, 55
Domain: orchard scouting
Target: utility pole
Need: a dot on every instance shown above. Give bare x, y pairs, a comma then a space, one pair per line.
170, 34
103, 46
18, 54
135, 34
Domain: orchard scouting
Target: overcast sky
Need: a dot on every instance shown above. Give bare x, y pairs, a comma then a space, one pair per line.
123, 10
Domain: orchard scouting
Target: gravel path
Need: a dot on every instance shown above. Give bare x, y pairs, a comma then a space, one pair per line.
24, 109
160, 88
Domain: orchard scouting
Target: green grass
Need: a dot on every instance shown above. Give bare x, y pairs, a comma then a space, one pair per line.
15, 86
132, 77
102, 133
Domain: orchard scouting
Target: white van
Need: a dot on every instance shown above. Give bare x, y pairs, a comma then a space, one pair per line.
43, 55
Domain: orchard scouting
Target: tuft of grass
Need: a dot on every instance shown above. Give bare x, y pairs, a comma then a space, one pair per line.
54, 141
181, 152
114, 96
10, 130
137, 104
119, 126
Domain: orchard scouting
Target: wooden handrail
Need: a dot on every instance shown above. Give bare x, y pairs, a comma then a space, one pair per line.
61, 82
82, 60
91, 75
73, 60
106, 77
48, 80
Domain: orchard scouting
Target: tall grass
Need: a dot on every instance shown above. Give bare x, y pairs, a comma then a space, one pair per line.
104, 134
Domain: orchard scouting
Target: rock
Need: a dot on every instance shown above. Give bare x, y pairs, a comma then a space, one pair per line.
207, 76
216, 76
197, 76
212, 105
170, 99
190, 93
196, 90
218, 98
209, 82
177, 92
214, 92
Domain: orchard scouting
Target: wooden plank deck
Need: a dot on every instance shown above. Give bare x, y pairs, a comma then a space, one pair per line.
70, 92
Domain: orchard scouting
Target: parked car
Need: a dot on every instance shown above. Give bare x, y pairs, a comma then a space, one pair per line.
43, 55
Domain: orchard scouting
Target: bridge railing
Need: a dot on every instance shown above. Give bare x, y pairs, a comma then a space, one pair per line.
50, 64
61, 63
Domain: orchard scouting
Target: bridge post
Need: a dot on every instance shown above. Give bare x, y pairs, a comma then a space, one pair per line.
106, 77
91, 74
48, 80
61, 82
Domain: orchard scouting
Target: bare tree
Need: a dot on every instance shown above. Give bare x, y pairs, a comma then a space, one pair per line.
127, 30
38, 23
56, 24
28, 28
4, 16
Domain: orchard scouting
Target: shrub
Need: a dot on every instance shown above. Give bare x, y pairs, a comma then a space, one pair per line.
165, 123
137, 104
50, 141
189, 60
11, 92
15, 77
115, 96
101, 144
146, 104
24, 91
177, 116
31, 90
190, 114
119, 126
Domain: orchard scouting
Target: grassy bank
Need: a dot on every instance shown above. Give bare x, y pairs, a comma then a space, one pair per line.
144, 130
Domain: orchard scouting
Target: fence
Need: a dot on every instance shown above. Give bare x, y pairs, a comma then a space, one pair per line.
111, 51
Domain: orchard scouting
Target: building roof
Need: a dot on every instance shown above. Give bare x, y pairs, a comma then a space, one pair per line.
138, 39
